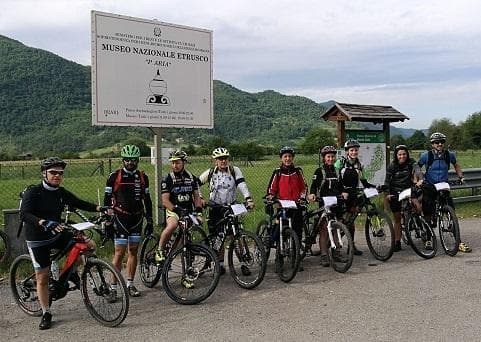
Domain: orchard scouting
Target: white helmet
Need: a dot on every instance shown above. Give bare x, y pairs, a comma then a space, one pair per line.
220, 152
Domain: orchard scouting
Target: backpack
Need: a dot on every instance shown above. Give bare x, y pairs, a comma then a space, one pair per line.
21, 194
446, 157
118, 181
212, 170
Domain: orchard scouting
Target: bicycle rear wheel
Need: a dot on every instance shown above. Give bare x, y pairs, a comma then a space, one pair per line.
23, 285
379, 232
421, 237
449, 230
191, 274
342, 254
287, 255
104, 292
4, 247
150, 272
262, 232
247, 260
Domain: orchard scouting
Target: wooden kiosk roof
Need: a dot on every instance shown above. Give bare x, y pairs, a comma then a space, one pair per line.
366, 113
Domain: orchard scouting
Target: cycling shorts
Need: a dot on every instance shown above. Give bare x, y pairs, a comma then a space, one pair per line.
40, 250
170, 213
128, 229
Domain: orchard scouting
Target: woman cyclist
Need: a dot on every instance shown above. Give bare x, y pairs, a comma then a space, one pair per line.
401, 174
41, 210
351, 173
325, 182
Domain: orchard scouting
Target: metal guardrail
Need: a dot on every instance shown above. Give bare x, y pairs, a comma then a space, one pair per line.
472, 178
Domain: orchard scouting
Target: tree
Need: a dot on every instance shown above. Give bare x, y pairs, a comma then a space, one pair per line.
417, 141
471, 131
396, 140
448, 128
315, 139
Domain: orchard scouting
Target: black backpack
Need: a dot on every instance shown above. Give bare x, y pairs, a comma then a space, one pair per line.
446, 157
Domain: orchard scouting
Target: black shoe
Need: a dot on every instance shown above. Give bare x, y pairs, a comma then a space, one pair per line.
133, 292
46, 322
325, 260
357, 251
397, 246
222, 270
245, 270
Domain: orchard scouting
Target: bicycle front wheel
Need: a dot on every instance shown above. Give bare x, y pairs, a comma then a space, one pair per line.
449, 230
262, 232
421, 237
247, 260
379, 232
150, 271
341, 253
23, 285
191, 274
287, 255
4, 247
104, 292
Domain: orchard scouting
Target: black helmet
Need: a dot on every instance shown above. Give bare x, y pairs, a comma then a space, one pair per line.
436, 136
351, 143
286, 149
177, 155
328, 149
52, 162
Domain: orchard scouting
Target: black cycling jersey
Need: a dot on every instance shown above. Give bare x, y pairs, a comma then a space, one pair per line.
128, 192
330, 186
399, 176
181, 187
44, 202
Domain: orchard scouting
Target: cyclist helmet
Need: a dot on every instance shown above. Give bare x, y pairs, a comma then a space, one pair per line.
52, 162
351, 143
130, 151
328, 150
220, 152
286, 149
178, 155
436, 136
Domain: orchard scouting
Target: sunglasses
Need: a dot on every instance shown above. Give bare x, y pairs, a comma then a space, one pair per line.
131, 160
55, 173
223, 158
438, 142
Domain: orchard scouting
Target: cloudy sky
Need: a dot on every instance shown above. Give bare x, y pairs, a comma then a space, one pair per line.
421, 57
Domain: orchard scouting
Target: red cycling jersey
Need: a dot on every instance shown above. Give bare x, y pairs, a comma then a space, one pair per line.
287, 183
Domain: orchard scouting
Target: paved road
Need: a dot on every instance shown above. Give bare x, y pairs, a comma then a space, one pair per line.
406, 298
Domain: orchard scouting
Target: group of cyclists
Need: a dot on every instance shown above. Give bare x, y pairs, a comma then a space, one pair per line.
127, 200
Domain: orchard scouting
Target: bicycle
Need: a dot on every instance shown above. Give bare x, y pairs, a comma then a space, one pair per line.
246, 255
277, 232
5, 247
340, 245
378, 229
94, 281
446, 220
415, 231
191, 272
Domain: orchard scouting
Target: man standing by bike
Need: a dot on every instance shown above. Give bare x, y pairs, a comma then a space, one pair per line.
180, 189
351, 173
437, 162
41, 209
288, 183
224, 181
127, 191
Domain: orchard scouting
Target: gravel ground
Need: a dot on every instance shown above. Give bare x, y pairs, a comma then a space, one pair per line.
406, 298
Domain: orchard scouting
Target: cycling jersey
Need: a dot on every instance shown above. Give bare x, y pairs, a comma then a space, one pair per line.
351, 172
438, 171
287, 183
223, 185
130, 194
400, 176
325, 182
181, 187
45, 202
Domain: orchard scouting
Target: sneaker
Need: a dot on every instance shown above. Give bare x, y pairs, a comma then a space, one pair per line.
397, 246
325, 260
112, 296
463, 247
245, 270
159, 257
46, 322
357, 251
133, 292
188, 284
338, 257
428, 245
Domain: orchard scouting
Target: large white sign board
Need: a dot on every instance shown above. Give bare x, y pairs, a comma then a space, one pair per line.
149, 73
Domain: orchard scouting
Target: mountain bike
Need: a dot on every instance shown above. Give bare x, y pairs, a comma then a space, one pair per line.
378, 229
95, 280
246, 254
277, 232
5, 247
446, 220
416, 232
191, 272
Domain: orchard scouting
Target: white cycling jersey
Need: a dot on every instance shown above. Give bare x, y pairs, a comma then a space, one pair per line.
223, 185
